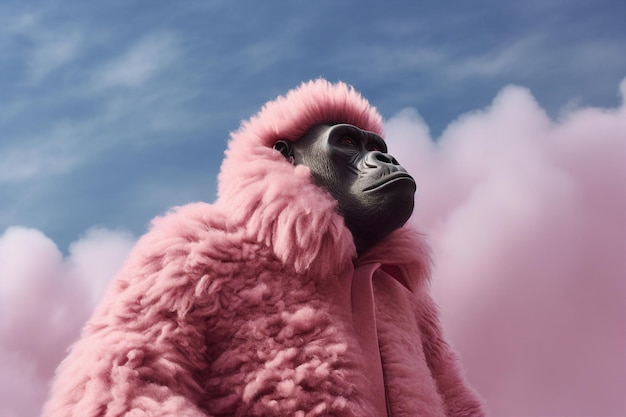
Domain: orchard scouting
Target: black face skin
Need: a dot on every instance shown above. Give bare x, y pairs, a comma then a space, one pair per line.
375, 194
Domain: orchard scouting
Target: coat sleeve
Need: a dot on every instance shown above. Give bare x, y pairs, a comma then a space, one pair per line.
460, 400
143, 351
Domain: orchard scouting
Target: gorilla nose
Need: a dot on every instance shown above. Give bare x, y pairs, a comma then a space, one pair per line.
377, 158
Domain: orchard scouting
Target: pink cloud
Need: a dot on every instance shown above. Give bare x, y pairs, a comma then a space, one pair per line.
45, 298
527, 219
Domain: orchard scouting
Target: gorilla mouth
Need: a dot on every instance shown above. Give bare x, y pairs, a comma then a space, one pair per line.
389, 179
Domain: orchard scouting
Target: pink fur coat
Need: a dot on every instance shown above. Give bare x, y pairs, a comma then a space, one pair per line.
257, 306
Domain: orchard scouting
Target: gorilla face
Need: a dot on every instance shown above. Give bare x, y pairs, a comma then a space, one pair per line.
374, 192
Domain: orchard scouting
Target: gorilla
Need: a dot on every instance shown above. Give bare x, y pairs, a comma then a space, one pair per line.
301, 291
374, 192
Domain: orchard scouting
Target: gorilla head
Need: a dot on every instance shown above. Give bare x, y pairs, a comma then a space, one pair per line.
374, 192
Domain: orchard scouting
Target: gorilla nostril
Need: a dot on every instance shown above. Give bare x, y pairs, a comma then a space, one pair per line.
383, 157
372, 159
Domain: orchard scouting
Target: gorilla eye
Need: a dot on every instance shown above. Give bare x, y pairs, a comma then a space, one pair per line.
374, 148
347, 140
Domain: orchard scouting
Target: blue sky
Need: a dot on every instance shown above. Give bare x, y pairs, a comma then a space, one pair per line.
112, 112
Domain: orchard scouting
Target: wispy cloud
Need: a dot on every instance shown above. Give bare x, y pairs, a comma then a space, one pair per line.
51, 52
107, 119
140, 62
24, 163
56, 150
45, 47
520, 55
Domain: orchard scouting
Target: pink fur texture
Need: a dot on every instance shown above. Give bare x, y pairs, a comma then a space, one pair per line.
248, 307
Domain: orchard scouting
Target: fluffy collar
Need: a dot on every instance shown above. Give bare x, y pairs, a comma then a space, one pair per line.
278, 202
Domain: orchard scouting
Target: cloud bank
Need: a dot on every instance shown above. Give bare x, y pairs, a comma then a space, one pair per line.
45, 298
527, 219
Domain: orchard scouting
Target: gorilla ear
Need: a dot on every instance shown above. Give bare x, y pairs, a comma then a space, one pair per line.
285, 148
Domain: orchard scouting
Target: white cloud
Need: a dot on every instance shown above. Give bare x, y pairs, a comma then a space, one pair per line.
527, 220
141, 62
98, 247
48, 47
57, 146
23, 163
383, 60
52, 51
511, 58
22, 390
45, 298
53, 151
